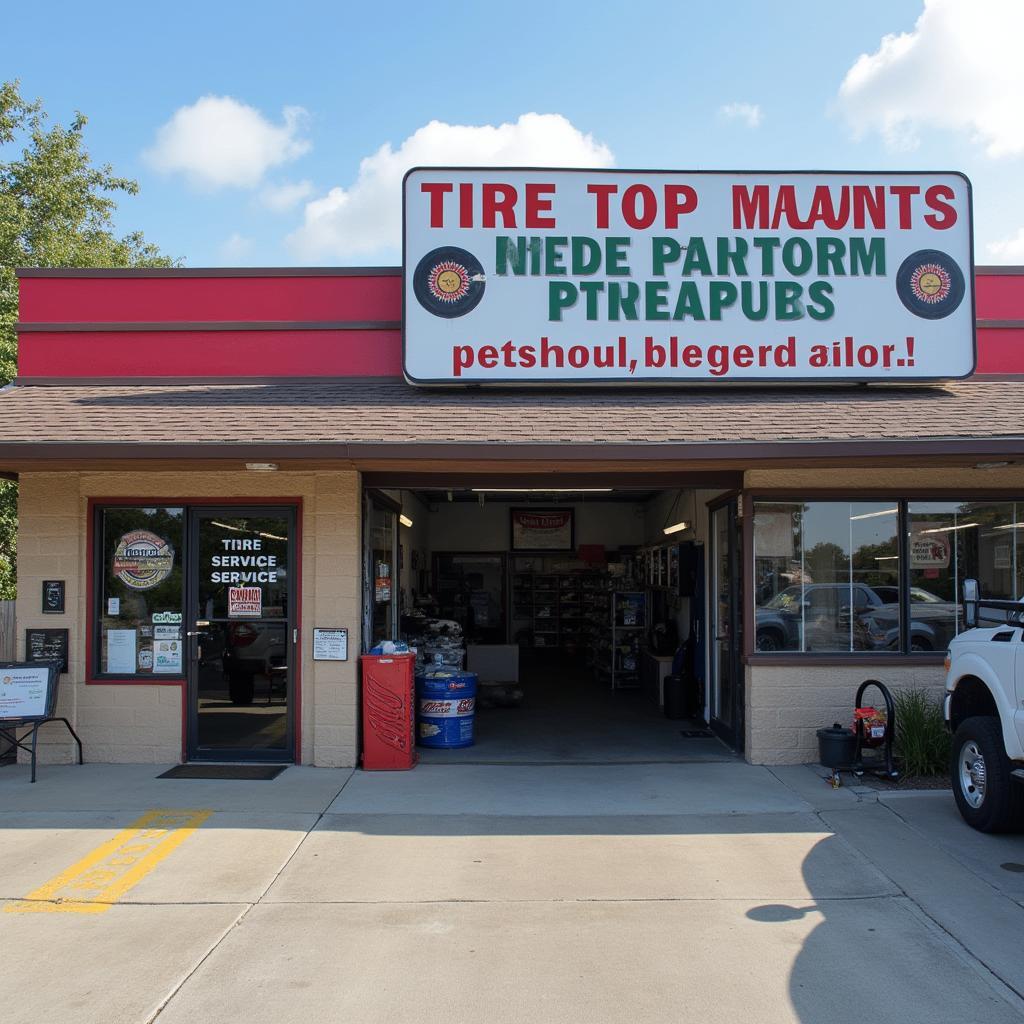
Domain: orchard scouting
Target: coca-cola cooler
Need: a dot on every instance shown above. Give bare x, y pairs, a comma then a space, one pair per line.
389, 712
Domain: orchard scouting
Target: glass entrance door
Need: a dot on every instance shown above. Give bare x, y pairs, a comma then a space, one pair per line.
381, 577
725, 623
241, 634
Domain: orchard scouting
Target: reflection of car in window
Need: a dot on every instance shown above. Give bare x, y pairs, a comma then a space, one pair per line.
252, 650
821, 612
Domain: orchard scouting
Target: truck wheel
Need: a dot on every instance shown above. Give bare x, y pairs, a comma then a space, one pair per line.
987, 797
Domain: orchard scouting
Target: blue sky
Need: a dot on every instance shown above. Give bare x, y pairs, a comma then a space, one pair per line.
239, 120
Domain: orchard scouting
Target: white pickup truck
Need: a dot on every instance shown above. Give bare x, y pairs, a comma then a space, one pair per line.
984, 710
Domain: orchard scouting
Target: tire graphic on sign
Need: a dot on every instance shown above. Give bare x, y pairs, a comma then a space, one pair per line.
930, 284
449, 282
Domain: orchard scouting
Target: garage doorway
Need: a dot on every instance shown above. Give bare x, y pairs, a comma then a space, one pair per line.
571, 604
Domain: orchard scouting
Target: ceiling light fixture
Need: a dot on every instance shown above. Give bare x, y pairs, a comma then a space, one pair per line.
676, 527
875, 515
404, 519
951, 529
542, 490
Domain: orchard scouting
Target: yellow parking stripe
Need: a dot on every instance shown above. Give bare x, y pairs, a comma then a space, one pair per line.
102, 877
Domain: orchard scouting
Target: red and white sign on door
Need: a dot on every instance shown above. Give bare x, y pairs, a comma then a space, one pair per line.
245, 602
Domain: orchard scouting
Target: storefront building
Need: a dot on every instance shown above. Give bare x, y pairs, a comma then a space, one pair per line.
214, 462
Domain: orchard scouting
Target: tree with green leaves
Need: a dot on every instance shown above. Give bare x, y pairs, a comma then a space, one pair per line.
56, 210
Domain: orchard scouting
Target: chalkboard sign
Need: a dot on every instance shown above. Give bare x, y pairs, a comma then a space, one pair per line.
47, 645
27, 692
53, 597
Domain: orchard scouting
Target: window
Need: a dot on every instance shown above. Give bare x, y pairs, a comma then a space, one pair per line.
139, 583
951, 541
828, 574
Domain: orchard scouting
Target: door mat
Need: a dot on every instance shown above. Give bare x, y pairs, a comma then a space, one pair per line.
697, 734
247, 772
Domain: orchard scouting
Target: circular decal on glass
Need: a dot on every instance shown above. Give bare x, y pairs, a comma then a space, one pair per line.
142, 560
930, 284
449, 282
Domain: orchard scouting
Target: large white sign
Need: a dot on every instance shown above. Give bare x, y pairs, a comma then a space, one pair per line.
519, 276
23, 691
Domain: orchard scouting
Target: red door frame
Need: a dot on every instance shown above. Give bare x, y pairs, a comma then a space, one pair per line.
181, 682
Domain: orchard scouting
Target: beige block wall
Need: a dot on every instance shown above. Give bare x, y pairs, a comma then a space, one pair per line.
143, 722
785, 706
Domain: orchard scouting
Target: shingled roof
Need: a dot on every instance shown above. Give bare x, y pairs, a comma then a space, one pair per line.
346, 418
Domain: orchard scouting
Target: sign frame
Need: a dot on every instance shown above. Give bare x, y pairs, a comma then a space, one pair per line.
61, 636
534, 510
52, 685
59, 589
684, 382
321, 642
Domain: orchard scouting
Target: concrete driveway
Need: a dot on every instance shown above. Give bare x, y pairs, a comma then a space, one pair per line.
703, 892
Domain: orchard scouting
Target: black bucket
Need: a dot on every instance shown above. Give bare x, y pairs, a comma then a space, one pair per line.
836, 746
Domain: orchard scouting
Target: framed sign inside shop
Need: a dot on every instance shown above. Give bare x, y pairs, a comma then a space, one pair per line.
543, 529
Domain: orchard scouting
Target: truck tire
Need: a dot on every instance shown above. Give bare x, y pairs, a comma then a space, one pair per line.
987, 797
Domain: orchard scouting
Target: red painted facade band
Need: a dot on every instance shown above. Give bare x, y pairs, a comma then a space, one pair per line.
288, 353
119, 299
211, 354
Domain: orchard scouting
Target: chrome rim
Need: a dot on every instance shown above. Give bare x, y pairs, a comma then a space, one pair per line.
973, 775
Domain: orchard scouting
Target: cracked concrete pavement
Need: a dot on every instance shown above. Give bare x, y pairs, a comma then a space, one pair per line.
711, 892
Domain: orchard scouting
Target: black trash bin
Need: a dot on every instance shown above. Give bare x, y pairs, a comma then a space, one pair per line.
675, 697
837, 746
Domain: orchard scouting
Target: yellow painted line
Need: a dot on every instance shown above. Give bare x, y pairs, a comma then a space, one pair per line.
102, 877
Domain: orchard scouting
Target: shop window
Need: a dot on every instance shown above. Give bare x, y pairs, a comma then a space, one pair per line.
826, 576
138, 592
951, 541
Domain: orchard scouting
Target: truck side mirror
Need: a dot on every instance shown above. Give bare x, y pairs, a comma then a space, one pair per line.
971, 603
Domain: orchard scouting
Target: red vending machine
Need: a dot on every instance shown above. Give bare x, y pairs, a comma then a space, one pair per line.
389, 712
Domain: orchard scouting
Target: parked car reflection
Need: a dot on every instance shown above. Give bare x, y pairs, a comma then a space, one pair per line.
246, 657
827, 616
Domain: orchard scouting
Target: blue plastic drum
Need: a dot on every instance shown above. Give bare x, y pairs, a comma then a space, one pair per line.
445, 708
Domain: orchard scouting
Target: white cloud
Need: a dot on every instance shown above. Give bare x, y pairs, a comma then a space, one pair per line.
281, 198
219, 141
366, 216
959, 68
1008, 250
748, 112
236, 248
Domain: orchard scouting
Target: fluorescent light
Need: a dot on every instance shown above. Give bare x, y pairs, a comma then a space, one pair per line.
242, 529
405, 520
1009, 526
261, 467
886, 558
951, 529
542, 490
875, 515
676, 527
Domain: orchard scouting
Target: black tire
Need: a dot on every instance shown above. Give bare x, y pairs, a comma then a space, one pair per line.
919, 644
997, 805
768, 641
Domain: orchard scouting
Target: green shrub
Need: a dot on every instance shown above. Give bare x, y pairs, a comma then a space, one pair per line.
922, 742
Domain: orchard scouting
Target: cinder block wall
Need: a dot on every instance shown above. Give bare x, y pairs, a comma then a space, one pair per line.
786, 706
142, 722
